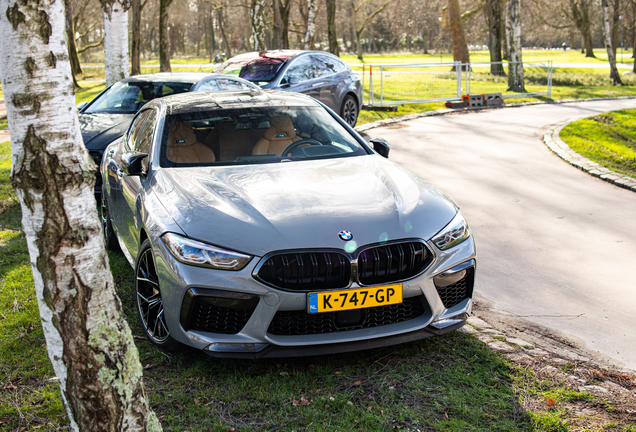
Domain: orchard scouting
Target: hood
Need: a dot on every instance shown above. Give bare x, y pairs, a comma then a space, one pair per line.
100, 129
257, 209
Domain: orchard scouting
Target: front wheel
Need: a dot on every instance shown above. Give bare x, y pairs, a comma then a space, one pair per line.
107, 226
349, 110
149, 302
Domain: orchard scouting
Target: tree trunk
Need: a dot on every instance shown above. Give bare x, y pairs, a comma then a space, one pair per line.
136, 36
331, 28
513, 34
614, 76
458, 37
493, 17
89, 343
285, 9
257, 19
164, 37
581, 15
616, 24
278, 27
76, 68
115, 39
311, 26
211, 40
219, 16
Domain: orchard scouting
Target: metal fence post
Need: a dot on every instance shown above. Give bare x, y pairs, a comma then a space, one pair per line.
458, 69
468, 77
363, 83
550, 79
371, 85
381, 85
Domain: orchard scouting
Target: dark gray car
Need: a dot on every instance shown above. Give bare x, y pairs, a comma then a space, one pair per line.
108, 116
259, 224
318, 74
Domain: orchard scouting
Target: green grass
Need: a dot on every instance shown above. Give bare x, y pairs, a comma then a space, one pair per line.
608, 139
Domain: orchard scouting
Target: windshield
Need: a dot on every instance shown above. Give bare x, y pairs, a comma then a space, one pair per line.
129, 97
260, 70
254, 135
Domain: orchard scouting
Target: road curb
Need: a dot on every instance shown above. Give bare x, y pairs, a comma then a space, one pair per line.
385, 122
554, 142
595, 381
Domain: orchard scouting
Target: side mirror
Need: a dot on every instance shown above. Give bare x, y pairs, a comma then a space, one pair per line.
133, 163
81, 105
381, 146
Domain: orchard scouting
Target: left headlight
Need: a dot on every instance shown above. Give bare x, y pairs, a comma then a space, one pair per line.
201, 254
452, 234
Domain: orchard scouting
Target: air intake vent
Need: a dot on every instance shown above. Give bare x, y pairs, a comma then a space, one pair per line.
393, 262
306, 271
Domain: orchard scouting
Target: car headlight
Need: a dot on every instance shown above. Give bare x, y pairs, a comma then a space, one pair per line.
452, 234
201, 254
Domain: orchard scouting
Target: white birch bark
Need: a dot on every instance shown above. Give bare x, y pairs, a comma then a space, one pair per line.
116, 39
257, 18
311, 24
513, 37
614, 75
89, 343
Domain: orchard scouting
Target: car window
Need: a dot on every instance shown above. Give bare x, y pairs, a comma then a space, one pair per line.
323, 66
301, 68
229, 84
144, 141
135, 128
254, 135
207, 86
259, 70
129, 97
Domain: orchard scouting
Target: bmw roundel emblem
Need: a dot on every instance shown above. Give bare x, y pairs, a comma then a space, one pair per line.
345, 235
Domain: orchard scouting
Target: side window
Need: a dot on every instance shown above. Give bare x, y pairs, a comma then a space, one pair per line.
339, 65
324, 66
209, 86
144, 140
135, 128
301, 69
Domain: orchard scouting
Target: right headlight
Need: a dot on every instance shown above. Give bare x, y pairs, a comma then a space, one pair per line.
196, 253
452, 234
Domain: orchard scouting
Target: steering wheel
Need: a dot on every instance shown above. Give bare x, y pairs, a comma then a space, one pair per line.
294, 146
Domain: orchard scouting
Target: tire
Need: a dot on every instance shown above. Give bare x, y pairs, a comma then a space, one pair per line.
349, 110
110, 238
149, 302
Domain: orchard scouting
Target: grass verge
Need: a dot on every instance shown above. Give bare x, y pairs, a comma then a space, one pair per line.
608, 139
450, 383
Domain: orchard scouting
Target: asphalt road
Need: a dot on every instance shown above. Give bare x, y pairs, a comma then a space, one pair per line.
555, 246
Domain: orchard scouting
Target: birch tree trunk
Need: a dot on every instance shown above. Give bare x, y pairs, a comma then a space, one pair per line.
257, 18
614, 76
115, 39
88, 340
513, 35
311, 25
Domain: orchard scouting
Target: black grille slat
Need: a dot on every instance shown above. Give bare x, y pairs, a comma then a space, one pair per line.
216, 319
392, 262
299, 323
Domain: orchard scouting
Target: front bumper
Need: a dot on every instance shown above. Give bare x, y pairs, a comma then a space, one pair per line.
256, 307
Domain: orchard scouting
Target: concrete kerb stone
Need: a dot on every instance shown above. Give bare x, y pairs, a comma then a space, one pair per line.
554, 142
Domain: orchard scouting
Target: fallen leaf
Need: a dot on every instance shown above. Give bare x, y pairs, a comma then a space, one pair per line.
304, 401
9, 387
283, 374
370, 408
357, 383
349, 403
196, 401
338, 373
550, 403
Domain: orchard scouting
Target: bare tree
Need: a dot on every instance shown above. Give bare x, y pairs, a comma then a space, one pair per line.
355, 9
493, 16
581, 10
115, 39
88, 340
137, 8
257, 19
614, 76
285, 10
458, 36
311, 25
332, 34
513, 35
164, 37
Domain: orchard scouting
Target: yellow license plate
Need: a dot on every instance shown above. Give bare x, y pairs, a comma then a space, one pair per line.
358, 298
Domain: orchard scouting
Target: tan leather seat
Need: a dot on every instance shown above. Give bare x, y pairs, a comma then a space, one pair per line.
277, 138
183, 146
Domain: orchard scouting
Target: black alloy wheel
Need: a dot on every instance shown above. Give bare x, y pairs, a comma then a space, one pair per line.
149, 302
110, 238
349, 110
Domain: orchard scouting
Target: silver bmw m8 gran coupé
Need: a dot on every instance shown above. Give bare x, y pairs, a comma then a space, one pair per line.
259, 224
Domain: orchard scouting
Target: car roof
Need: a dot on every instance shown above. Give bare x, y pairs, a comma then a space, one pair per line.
282, 55
203, 101
185, 77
